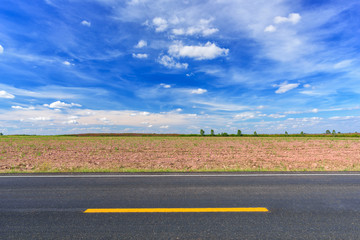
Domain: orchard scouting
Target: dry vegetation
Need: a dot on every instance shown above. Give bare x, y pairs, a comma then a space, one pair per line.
172, 153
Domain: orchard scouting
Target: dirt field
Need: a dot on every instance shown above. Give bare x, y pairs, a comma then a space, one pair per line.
119, 154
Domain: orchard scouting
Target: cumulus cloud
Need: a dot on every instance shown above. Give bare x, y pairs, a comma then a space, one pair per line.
169, 62
67, 63
4, 94
59, 104
1, 49
293, 18
140, 55
270, 28
165, 126
86, 23
199, 91
141, 44
160, 24
201, 52
284, 87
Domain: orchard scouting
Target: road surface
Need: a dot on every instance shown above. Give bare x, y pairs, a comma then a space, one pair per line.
300, 206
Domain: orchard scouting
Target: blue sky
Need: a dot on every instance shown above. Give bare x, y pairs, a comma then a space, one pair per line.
75, 66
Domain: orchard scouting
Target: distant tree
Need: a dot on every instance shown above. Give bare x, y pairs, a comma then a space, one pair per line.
328, 131
224, 134
239, 133
302, 133
202, 132
212, 133
286, 133
333, 132
255, 133
1, 134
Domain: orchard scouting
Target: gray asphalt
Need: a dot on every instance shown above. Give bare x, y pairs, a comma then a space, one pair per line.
301, 206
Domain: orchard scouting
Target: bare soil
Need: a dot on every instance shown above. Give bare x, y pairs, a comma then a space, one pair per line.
173, 153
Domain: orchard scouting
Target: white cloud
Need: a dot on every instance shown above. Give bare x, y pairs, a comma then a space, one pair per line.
199, 91
293, 18
276, 115
178, 31
200, 28
342, 118
284, 87
315, 110
19, 107
40, 118
144, 113
246, 115
4, 94
201, 52
141, 44
343, 64
270, 28
160, 24
165, 85
195, 30
67, 63
140, 55
86, 23
1, 49
71, 122
171, 63
165, 126
307, 85
59, 104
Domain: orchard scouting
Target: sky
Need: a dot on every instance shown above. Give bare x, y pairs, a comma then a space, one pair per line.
143, 66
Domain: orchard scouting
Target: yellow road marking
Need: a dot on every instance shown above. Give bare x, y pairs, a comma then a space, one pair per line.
172, 210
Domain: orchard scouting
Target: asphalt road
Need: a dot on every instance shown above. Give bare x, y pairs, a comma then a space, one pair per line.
300, 206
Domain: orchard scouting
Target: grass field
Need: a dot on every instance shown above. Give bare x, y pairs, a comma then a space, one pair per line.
175, 153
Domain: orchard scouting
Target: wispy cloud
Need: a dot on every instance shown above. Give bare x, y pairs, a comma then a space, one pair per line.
199, 91
4, 94
140, 55
293, 18
285, 87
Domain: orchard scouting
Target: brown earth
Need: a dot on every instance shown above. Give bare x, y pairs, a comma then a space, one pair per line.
172, 153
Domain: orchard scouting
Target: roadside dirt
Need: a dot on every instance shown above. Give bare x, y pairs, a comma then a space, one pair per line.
46, 154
